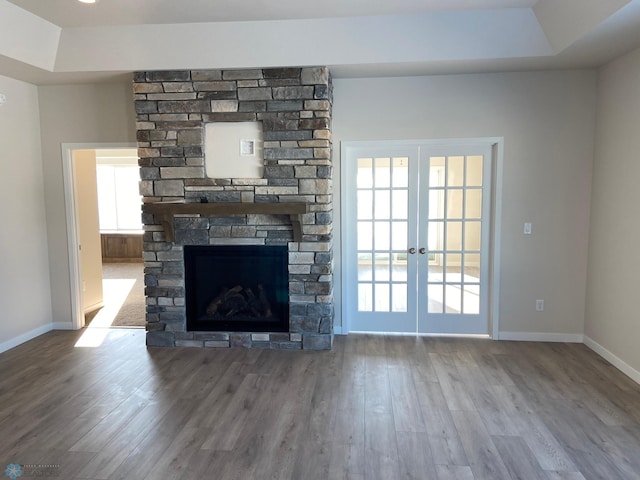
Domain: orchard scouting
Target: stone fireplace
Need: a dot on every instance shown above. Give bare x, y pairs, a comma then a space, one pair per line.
290, 206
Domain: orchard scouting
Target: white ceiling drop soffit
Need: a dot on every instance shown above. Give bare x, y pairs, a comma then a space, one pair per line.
564, 22
358, 38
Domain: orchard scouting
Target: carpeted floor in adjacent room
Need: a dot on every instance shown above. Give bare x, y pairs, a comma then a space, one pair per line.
123, 291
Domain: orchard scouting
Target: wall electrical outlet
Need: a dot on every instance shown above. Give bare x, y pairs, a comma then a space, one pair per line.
539, 305
247, 148
527, 228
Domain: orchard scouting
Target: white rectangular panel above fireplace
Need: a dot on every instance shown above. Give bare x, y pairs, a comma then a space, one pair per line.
290, 205
233, 150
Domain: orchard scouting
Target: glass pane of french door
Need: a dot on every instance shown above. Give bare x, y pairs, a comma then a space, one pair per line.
384, 275
453, 271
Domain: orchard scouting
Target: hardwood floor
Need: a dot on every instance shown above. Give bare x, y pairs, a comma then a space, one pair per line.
376, 407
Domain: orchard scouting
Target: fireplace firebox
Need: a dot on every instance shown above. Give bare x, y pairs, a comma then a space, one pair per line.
239, 288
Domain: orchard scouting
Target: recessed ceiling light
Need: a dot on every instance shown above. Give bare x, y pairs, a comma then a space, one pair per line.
88, 1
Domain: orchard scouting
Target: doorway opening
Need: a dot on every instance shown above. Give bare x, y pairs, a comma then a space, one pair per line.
104, 229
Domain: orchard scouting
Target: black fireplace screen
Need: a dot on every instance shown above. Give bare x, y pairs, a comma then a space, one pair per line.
239, 288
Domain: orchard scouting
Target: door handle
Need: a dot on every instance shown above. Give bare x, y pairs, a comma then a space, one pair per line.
422, 251
412, 251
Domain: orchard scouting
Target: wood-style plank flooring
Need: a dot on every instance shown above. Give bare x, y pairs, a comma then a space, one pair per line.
375, 407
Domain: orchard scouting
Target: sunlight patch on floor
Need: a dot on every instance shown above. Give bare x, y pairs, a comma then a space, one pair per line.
115, 292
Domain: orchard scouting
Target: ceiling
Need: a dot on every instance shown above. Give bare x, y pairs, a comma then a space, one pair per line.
68, 13
64, 41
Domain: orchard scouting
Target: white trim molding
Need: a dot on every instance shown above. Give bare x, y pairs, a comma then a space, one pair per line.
25, 337
616, 361
542, 337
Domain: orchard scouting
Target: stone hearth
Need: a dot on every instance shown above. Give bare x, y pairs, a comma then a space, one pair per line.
294, 108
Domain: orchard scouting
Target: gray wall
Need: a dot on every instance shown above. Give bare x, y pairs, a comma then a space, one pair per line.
614, 259
24, 269
547, 120
90, 114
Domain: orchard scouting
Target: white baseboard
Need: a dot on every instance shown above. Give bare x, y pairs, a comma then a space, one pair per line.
25, 337
62, 326
616, 361
541, 337
94, 307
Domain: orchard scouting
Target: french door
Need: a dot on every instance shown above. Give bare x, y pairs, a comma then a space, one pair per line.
416, 226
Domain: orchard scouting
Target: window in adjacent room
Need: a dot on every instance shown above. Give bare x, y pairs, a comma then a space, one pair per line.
119, 198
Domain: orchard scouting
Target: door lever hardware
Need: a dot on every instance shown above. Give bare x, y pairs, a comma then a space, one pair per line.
412, 251
423, 251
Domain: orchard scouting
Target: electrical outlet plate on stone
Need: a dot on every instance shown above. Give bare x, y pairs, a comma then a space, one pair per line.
234, 150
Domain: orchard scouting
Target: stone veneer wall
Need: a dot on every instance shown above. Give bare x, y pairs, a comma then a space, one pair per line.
294, 106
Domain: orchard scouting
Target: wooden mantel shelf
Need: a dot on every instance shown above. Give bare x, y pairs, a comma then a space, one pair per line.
167, 211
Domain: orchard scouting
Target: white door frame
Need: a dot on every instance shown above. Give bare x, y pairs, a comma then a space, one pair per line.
72, 223
497, 144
